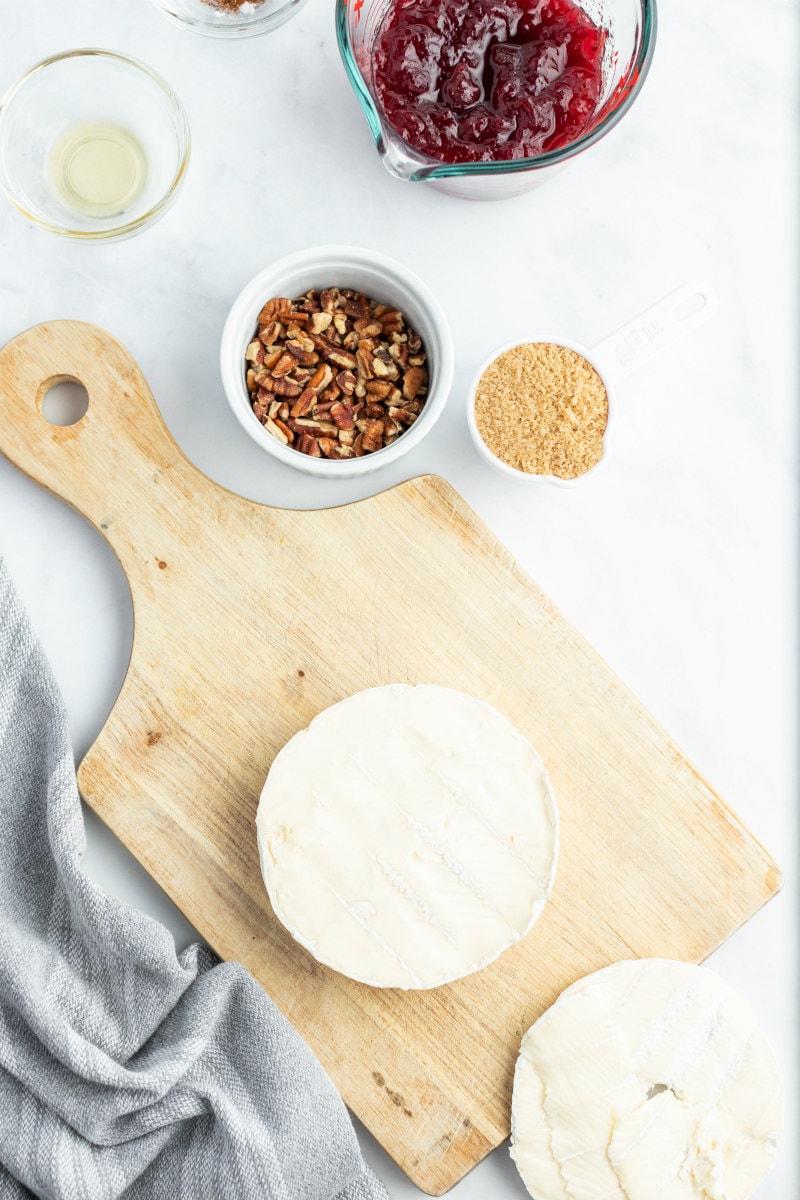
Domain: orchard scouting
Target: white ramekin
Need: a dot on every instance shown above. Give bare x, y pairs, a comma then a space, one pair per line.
377, 276
512, 472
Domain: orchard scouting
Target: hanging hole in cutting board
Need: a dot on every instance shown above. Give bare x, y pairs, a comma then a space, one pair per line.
65, 403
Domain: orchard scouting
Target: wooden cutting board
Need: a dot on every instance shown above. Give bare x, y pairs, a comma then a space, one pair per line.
248, 621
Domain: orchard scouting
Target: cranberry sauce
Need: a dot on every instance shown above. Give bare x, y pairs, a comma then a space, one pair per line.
488, 80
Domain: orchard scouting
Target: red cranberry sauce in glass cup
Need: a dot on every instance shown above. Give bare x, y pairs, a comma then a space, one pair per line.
468, 81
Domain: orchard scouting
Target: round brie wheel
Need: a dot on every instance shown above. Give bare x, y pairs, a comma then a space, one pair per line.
646, 1079
408, 836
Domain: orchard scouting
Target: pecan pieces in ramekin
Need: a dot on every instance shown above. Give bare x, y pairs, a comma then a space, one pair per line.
334, 374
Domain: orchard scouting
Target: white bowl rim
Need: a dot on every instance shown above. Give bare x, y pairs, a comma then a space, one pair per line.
250, 300
529, 477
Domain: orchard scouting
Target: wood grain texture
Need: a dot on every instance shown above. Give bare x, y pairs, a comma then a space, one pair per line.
248, 621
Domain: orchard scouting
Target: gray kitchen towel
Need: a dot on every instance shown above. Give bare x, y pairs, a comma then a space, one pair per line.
126, 1070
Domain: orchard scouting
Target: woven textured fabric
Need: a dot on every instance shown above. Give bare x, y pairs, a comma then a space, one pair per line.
126, 1070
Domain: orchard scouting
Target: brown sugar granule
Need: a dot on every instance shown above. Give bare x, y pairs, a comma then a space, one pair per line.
543, 409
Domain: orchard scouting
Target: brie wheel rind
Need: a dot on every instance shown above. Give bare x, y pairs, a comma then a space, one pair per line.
646, 1079
408, 836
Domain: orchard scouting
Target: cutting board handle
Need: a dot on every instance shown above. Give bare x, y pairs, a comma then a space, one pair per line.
119, 445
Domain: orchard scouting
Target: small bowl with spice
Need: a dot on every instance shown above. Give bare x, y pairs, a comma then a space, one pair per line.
94, 145
336, 360
542, 411
229, 18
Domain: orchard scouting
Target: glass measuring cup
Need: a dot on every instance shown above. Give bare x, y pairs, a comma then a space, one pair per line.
631, 26
617, 356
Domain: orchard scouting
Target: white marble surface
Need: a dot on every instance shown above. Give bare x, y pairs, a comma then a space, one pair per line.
679, 563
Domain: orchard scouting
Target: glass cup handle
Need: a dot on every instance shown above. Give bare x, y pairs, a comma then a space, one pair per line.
656, 329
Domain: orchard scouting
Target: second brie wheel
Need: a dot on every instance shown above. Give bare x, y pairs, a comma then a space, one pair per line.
408, 836
648, 1080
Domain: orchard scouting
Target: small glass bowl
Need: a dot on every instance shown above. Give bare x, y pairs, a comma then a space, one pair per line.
253, 18
90, 88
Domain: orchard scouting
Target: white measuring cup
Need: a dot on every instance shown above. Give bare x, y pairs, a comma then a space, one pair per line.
619, 355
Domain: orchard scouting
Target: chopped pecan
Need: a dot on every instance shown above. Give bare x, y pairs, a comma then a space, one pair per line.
364, 363
373, 436
307, 357
285, 387
283, 366
304, 403
341, 359
276, 431
357, 307
275, 310
368, 328
343, 416
320, 322
308, 445
379, 388
321, 377
317, 428
403, 415
346, 382
270, 333
412, 382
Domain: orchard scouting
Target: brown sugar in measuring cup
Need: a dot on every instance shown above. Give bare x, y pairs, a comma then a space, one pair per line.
543, 410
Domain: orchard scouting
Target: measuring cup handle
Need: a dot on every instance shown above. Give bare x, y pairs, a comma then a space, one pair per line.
657, 328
